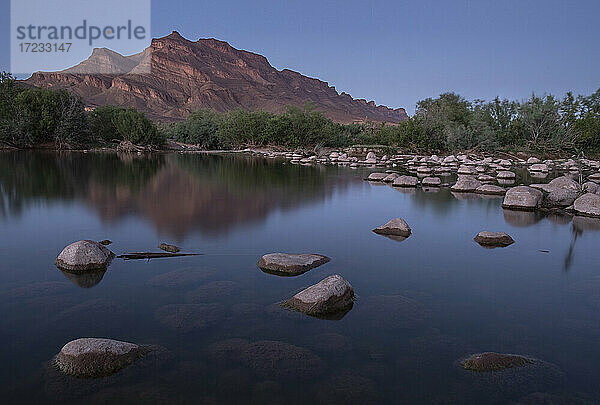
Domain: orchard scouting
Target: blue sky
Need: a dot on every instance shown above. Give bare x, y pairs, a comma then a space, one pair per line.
398, 52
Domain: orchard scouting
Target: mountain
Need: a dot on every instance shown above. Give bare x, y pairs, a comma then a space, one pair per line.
175, 76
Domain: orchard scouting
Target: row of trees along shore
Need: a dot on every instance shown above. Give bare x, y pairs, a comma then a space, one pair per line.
30, 117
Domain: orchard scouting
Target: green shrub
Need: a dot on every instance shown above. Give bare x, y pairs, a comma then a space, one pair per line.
200, 128
103, 125
133, 125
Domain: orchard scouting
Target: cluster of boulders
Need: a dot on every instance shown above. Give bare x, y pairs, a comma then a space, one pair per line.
425, 165
561, 193
330, 297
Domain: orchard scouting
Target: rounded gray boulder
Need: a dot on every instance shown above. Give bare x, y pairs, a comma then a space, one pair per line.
466, 184
377, 176
84, 255
405, 181
522, 198
394, 227
588, 205
290, 264
493, 239
97, 357
431, 181
329, 296
490, 189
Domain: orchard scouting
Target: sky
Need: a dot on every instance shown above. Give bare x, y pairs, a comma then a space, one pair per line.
397, 52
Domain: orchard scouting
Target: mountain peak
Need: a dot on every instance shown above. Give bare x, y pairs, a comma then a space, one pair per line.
175, 76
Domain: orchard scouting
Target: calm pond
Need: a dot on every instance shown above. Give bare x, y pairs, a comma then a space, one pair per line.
422, 304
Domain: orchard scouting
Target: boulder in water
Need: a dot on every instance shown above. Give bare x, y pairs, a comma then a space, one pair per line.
493, 239
522, 198
431, 181
405, 181
490, 189
97, 357
466, 184
395, 227
588, 205
84, 255
377, 176
291, 264
168, 248
329, 296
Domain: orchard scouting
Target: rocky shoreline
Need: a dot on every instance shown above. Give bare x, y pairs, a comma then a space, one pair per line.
575, 187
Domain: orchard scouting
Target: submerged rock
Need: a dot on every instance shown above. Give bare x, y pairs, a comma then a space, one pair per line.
348, 388
189, 317
84, 255
168, 248
329, 296
291, 264
522, 198
588, 205
405, 181
493, 239
180, 277
466, 184
213, 291
392, 312
491, 361
394, 227
97, 357
280, 360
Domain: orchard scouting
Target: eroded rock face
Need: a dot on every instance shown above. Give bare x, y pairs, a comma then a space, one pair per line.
493, 239
466, 184
522, 198
329, 296
491, 361
84, 255
405, 181
207, 73
291, 264
588, 205
395, 227
97, 357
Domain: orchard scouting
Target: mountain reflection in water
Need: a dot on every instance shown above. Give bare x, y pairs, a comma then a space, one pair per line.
177, 193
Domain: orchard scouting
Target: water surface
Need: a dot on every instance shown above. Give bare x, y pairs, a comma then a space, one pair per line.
422, 304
